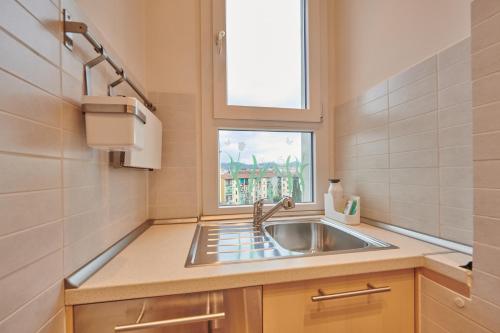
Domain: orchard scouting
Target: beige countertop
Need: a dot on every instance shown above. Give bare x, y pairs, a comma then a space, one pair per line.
449, 264
153, 265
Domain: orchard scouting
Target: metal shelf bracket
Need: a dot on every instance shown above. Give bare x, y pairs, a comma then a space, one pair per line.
72, 27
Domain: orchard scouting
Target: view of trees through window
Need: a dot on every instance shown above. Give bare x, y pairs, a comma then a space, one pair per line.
264, 165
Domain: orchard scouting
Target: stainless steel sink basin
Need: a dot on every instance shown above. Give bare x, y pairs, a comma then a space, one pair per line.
217, 243
313, 237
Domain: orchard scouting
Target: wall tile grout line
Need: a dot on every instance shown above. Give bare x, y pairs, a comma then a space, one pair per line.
31, 228
30, 12
30, 302
438, 151
23, 44
31, 263
487, 48
487, 76
16, 116
30, 83
49, 321
485, 20
41, 157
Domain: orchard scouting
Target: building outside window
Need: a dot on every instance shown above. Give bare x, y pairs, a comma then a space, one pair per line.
265, 165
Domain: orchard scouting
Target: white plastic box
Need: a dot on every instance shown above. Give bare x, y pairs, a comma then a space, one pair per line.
114, 123
331, 213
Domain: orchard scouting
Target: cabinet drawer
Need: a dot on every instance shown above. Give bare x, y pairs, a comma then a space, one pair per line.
444, 308
444, 295
290, 307
226, 311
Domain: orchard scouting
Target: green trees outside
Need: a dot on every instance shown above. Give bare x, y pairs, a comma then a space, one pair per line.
292, 172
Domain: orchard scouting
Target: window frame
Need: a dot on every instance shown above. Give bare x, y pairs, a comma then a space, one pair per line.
210, 121
313, 110
211, 176
312, 171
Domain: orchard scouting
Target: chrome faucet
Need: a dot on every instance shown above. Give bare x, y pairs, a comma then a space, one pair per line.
258, 217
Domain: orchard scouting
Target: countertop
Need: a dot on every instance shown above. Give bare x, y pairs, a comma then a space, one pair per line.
449, 264
153, 265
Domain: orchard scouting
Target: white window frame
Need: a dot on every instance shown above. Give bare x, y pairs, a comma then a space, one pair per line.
312, 119
313, 110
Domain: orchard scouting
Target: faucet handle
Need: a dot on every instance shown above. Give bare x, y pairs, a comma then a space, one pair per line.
288, 203
257, 208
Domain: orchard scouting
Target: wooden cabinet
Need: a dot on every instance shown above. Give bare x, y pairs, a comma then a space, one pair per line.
289, 308
225, 311
444, 306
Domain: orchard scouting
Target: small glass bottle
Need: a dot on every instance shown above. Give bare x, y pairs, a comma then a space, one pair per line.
337, 193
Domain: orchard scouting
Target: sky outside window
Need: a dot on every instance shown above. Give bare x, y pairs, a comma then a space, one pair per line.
265, 53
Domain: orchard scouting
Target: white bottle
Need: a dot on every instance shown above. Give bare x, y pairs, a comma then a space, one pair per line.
336, 191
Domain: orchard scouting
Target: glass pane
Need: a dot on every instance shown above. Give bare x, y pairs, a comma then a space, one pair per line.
264, 165
265, 53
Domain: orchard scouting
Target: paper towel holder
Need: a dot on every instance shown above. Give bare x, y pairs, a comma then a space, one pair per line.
137, 125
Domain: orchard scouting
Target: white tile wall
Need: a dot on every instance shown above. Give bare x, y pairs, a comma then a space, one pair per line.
486, 123
455, 135
60, 202
413, 146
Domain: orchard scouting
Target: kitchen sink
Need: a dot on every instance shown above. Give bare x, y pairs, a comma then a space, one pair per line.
313, 237
218, 243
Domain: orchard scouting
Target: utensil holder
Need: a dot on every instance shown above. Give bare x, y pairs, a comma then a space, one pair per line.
330, 211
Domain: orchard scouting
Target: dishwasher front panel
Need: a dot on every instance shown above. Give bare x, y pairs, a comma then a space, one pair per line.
226, 311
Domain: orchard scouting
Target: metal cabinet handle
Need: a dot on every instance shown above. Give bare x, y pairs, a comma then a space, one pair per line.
370, 290
170, 322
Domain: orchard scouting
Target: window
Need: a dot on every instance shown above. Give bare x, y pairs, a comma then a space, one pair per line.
266, 60
265, 50
263, 134
264, 165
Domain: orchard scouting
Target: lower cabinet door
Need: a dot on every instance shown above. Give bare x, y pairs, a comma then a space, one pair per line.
225, 311
374, 303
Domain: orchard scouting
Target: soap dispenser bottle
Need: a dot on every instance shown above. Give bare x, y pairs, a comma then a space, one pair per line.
336, 192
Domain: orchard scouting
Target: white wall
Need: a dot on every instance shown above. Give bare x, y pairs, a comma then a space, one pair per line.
376, 39
123, 23
174, 79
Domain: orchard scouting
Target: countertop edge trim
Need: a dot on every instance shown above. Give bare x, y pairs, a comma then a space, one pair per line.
161, 288
458, 247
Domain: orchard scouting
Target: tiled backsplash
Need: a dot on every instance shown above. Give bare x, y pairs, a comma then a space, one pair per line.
173, 190
60, 202
404, 146
486, 118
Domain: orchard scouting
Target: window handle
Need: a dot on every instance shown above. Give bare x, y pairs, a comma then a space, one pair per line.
220, 40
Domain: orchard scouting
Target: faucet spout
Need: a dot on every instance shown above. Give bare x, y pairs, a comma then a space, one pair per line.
258, 217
